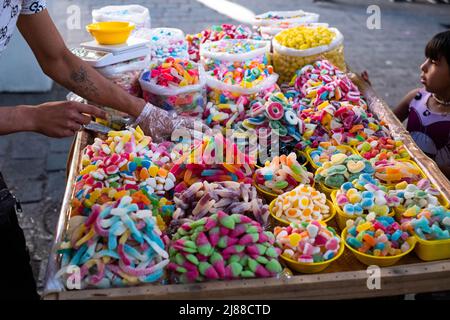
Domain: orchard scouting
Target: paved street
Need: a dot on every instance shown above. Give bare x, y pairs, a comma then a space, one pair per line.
34, 166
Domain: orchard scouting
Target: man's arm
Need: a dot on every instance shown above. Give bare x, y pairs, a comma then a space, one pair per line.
68, 70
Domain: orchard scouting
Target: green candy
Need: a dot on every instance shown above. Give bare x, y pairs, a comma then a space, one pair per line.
244, 260
227, 222
252, 229
203, 266
281, 184
205, 250
252, 264
236, 268
271, 252
235, 258
262, 249
273, 266
247, 274
215, 257
262, 260
192, 259
179, 259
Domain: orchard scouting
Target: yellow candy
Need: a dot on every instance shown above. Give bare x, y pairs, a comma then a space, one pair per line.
364, 227
88, 169
153, 171
294, 239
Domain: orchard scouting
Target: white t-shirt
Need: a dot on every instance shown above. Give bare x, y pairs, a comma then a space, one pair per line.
9, 13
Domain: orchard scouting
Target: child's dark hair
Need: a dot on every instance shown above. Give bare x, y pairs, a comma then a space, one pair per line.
439, 47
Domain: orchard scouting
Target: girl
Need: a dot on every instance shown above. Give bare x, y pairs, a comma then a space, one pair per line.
428, 108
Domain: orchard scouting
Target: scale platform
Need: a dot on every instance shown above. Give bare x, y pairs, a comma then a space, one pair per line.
98, 55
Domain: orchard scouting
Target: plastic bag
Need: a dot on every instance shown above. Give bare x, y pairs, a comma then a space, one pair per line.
211, 55
293, 17
126, 74
136, 14
218, 91
188, 100
268, 32
168, 42
287, 61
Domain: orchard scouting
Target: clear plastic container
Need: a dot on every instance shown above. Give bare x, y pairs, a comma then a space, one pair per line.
168, 42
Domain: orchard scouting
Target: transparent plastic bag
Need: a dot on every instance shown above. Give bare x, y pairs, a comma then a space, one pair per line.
187, 101
268, 32
136, 14
218, 89
296, 16
211, 57
287, 61
126, 74
168, 42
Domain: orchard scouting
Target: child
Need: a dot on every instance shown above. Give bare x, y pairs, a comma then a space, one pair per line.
428, 108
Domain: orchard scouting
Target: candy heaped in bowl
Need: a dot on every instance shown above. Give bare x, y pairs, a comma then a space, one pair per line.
111, 32
308, 247
377, 240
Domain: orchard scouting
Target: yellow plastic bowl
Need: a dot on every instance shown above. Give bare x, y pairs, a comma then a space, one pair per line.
430, 250
378, 261
285, 223
110, 33
312, 267
391, 185
344, 149
342, 217
269, 196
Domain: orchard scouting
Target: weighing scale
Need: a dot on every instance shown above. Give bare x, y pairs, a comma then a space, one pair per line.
98, 55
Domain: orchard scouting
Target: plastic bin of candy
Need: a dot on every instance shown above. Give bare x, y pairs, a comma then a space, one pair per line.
184, 100
287, 59
168, 42
274, 17
233, 51
409, 275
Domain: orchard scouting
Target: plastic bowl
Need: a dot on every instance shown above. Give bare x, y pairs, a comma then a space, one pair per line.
378, 261
312, 267
342, 217
391, 185
430, 250
269, 196
285, 223
110, 33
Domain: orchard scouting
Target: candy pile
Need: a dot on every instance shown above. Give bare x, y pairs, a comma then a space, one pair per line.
432, 223
214, 159
304, 203
248, 75
382, 148
324, 152
378, 236
125, 164
168, 42
296, 47
224, 115
174, 72
422, 195
365, 195
116, 245
223, 247
282, 174
307, 242
203, 199
342, 168
215, 33
229, 52
394, 171
304, 37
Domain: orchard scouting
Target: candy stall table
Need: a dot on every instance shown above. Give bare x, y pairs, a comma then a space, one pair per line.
346, 278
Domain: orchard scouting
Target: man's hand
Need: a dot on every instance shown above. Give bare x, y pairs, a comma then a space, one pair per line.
62, 118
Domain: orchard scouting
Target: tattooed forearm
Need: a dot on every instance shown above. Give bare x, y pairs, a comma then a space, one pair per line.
83, 84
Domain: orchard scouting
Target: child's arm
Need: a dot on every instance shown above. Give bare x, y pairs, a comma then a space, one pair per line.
402, 109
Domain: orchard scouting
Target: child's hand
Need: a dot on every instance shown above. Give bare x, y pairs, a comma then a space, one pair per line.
365, 76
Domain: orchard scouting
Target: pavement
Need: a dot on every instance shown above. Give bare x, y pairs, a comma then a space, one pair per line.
35, 166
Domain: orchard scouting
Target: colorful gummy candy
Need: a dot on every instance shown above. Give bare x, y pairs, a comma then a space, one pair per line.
213, 159
117, 245
382, 148
306, 242
422, 195
432, 223
223, 246
324, 152
282, 174
377, 236
304, 203
215, 33
247, 75
173, 72
224, 115
342, 168
394, 171
127, 163
296, 47
203, 199
365, 195
168, 42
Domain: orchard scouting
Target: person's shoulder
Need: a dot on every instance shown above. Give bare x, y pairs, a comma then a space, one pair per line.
418, 92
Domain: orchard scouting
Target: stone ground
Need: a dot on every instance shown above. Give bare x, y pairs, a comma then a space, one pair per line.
34, 165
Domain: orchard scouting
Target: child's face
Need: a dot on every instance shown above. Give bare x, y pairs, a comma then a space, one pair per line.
435, 75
